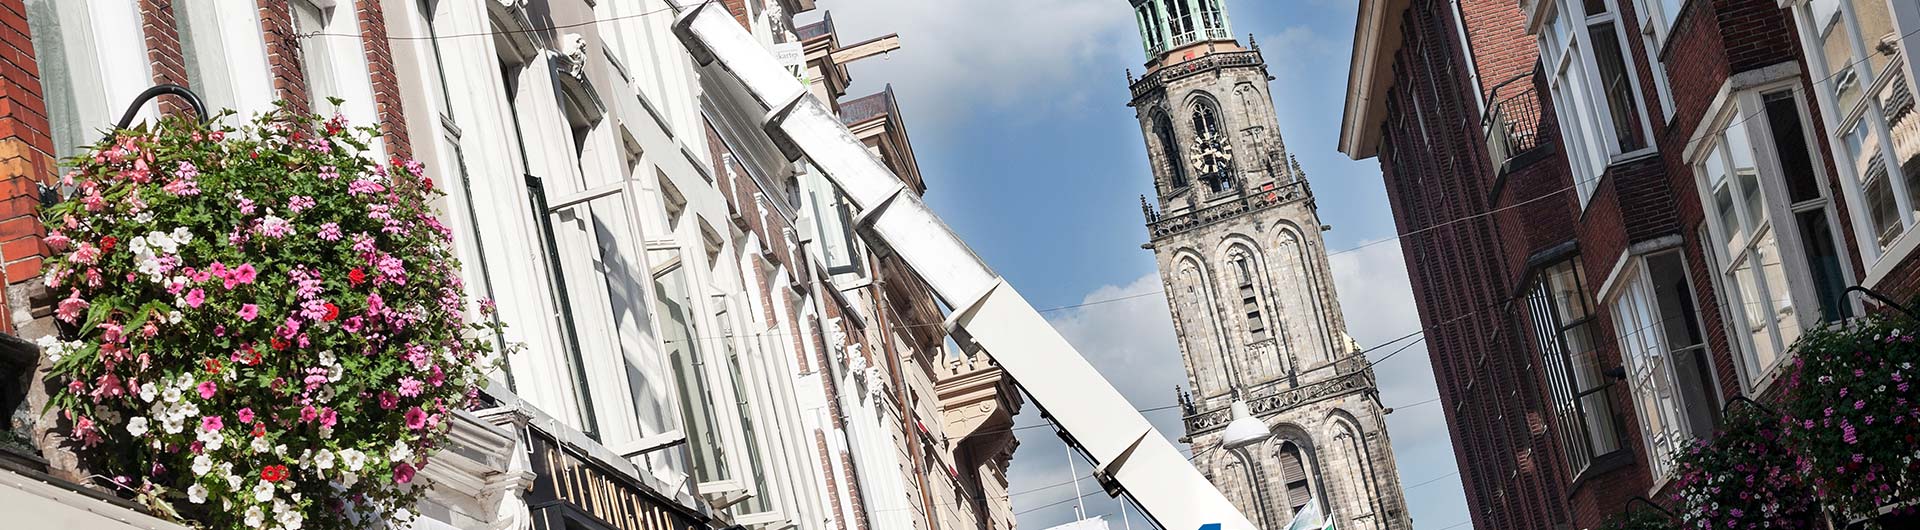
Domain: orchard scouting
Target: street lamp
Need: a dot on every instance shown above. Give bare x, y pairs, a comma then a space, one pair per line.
1244, 432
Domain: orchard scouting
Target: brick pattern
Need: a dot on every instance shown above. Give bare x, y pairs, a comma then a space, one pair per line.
26, 162
161, 31
1429, 182
283, 53
380, 72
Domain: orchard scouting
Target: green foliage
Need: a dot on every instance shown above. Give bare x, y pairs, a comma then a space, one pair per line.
263, 326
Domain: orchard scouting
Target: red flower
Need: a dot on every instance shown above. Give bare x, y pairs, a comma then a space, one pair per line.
333, 312
357, 276
274, 473
106, 244
259, 429
213, 365
280, 344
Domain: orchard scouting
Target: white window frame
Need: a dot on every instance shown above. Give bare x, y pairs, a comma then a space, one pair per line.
1867, 112
337, 49
106, 65
1656, 28
1573, 78
228, 46
1779, 220
1648, 355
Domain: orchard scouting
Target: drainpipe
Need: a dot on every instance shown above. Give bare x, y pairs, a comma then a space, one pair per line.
900, 394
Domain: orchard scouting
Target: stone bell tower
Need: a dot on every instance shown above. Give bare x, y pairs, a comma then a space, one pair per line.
1236, 233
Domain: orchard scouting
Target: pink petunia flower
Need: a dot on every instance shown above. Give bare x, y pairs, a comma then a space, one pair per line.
403, 473
416, 418
245, 415
249, 311
207, 388
195, 297
211, 423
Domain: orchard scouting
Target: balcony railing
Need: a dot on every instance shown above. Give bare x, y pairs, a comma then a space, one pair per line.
1207, 63
1160, 226
1512, 121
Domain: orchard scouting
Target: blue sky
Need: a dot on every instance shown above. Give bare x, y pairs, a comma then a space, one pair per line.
1017, 110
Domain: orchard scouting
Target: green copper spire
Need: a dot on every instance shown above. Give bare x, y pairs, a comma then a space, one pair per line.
1169, 24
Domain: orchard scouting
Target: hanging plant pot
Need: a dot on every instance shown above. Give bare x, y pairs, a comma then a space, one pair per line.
1743, 479
1852, 414
264, 327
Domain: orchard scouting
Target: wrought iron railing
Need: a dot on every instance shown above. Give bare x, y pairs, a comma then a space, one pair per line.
1512, 121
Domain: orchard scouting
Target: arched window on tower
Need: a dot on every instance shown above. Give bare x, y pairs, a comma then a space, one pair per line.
1151, 31
1243, 268
1293, 470
1214, 151
1214, 18
1185, 28
1170, 149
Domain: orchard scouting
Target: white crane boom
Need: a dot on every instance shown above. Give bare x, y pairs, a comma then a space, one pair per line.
988, 314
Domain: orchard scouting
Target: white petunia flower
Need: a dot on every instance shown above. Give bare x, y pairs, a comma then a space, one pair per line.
182, 235
353, 459
400, 452
137, 426
255, 516
234, 481
173, 424
197, 494
174, 317
170, 395
202, 465
213, 440
263, 491
260, 445
148, 392
323, 460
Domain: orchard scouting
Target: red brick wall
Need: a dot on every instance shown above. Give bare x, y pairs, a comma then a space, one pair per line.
386, 85
26, 158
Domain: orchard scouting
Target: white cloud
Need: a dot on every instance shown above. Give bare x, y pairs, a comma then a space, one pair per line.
974, 55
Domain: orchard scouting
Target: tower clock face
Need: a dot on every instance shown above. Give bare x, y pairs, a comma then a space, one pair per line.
1213, 156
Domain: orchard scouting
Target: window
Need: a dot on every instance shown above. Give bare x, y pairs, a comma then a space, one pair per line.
315, 54
92, 63
1656, 25
1594, 90
1851, 48
1170, 150
762, 500
679, 335
1151, 31
225, 56
1563, 328
1214, 18
1293, 469
1214, 159
1771, 227
1668, 368
1249, 297
1183, 23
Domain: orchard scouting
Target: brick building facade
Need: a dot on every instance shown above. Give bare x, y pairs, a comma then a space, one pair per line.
1618, 215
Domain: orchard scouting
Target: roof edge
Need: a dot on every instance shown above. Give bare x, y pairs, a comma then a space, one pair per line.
1376, 36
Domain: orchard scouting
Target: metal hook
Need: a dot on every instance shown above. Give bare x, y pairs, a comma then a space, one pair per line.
193, 100
1883, 299
1651, 504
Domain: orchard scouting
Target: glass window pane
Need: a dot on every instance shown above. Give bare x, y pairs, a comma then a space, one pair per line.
1824, 264
1876, 28
1836, 46
678, 334
1790, 139
1781, 303
1595, 7
316, 60
762, 496
1753, 312
1623, 109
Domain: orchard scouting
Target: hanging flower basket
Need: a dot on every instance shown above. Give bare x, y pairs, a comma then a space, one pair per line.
1852, 414
264, 327
1743, 479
